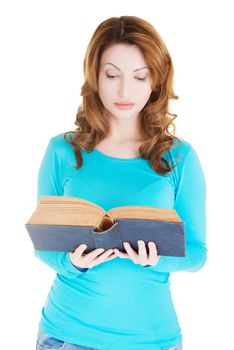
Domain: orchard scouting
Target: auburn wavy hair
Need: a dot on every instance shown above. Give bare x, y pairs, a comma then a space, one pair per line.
154, 118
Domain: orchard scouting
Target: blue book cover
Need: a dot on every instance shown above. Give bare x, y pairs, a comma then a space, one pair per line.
62, 223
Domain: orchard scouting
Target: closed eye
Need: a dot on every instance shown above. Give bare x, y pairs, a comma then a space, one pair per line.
113, 76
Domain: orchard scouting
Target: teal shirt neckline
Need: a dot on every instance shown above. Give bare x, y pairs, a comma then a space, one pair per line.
116, 158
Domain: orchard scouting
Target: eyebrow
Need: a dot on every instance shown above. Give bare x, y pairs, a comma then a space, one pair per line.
135, 70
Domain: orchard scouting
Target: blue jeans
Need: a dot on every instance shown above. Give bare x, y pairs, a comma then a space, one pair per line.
45, 341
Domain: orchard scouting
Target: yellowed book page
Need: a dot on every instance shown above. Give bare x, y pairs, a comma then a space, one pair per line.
145, 212
55, 210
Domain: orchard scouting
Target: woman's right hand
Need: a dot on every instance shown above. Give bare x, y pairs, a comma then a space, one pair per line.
93, 258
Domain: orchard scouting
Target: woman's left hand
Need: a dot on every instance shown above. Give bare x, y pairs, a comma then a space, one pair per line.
140, 258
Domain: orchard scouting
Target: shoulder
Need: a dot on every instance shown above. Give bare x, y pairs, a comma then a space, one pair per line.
187, 161
179, 151
180, 147
59, 139
60, 148
184, 157
60, 142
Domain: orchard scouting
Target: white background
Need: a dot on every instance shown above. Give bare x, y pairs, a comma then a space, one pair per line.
43, 45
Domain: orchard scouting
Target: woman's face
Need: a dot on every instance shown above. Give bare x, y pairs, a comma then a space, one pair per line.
124, 78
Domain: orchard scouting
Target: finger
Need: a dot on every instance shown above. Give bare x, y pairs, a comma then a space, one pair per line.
108, 254
153, 253
132, 254
80, 250
142, 252
111, 257
104, 255
121, 254
88, 258
95, 253
77, 254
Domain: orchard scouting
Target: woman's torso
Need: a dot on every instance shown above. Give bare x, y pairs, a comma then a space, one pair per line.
117, 302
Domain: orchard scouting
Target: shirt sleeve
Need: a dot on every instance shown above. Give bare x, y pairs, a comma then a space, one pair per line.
49, 183
190, 204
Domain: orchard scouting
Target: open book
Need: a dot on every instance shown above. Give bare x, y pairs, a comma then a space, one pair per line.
61, 223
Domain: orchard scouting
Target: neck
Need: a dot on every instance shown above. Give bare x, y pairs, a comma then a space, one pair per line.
125, 130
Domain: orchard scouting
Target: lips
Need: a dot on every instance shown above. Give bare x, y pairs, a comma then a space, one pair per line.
124, 105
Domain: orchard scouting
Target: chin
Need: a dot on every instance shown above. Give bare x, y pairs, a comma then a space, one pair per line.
124, 116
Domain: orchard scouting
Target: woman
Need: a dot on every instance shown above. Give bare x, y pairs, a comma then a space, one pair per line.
122, 153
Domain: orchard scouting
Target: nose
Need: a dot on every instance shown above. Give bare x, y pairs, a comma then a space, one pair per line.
125, 88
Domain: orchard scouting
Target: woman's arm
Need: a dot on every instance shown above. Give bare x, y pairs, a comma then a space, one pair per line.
190, 204
50, 183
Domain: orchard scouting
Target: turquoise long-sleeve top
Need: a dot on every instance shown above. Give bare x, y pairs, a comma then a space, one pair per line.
119, 304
